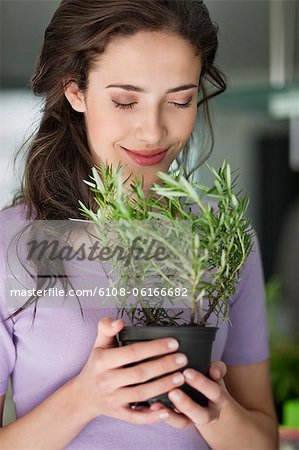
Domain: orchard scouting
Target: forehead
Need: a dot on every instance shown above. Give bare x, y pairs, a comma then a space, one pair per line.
148, 58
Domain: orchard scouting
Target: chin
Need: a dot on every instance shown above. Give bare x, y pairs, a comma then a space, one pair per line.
149, 173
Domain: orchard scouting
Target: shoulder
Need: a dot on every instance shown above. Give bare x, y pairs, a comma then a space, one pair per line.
11, 218
13, 221
16, 212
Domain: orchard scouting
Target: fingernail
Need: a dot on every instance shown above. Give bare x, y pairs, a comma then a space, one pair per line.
188, 374
164, 415
181, 359
178, 379
174, 395
114, 323
173, 344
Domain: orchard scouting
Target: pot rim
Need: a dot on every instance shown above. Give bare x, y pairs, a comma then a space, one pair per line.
133, 332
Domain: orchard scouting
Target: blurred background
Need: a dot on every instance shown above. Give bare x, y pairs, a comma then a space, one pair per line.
256, 125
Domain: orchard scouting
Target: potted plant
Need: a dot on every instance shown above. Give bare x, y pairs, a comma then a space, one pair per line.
205, 245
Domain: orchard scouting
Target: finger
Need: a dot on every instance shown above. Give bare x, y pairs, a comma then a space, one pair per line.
153, 407
156, 406
144, 417
145, 391
121, 356
143, 372
217, 370
197, 414
107, 331
213, 391
176, 418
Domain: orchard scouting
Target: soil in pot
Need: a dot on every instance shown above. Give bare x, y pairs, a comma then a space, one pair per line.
195, 342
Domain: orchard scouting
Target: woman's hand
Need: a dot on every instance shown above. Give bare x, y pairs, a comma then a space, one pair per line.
106, 387
187, 412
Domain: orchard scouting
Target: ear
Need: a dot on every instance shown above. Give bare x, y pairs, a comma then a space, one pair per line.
75, 97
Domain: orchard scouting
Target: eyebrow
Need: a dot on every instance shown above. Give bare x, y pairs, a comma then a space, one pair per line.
129, 87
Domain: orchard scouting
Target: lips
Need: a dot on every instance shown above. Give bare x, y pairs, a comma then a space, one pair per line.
152, 152
147, 157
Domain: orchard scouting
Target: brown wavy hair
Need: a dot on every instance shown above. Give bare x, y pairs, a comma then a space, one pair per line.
58, 158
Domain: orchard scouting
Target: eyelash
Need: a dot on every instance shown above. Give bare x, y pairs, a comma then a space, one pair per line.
131, 105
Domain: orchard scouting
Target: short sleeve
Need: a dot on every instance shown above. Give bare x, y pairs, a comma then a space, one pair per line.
247, 341
7, 348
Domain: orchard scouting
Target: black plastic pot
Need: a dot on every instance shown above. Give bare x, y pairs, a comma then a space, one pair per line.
194, 341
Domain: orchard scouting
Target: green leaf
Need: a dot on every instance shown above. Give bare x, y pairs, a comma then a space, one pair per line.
97, 179
234, 200
216, 175
87, 211
189, 189
89, 183
218, 187
228, 176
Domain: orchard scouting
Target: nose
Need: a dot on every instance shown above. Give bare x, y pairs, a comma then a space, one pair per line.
151, 128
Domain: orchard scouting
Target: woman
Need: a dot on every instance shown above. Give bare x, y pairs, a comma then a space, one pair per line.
120, 81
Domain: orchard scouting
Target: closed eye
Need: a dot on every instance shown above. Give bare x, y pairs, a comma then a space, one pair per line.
131, 105
124, 105
182, 105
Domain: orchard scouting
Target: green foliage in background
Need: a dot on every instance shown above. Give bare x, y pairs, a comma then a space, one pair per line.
284, 358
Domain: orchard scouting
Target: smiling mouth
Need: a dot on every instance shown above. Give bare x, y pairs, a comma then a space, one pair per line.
147, 153
147, 158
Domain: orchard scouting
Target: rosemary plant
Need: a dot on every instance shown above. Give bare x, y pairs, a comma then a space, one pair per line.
202, 229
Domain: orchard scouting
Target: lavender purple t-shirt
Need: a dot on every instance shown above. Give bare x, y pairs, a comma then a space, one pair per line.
42, 357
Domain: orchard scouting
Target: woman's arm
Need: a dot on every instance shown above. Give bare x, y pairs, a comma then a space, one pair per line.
241, 413
51, 425
103, 387
248, 421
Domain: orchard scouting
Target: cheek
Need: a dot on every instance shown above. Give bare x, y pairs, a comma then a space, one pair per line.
184, 127
103, 125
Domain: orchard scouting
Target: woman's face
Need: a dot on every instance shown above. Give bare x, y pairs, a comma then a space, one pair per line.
141, 97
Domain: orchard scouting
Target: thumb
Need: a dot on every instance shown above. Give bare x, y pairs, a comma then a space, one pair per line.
217, 370
107, 330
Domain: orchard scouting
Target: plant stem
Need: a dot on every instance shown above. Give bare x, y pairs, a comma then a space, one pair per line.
212, 307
